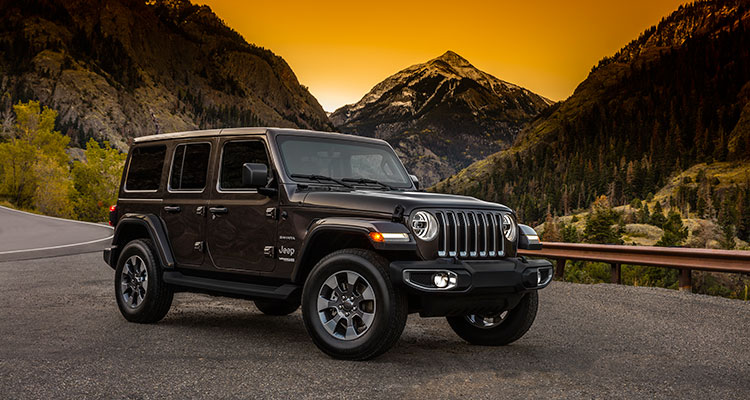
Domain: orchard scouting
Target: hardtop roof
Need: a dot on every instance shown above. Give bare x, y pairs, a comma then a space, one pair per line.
250, 131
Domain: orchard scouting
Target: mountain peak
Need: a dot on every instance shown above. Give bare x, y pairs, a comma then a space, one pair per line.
452, 58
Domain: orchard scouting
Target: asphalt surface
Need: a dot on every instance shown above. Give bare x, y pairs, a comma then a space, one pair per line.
61, 336
28, 236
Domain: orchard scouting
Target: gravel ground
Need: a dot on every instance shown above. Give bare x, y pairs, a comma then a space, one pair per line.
61, 336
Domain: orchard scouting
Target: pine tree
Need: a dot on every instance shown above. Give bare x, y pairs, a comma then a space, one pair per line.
600, 222
657, 217
674, 231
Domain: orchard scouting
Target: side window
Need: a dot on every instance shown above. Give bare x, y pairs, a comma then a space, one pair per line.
144, 171
189, 166
234, 155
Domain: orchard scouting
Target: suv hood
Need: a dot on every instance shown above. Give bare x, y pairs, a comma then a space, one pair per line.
379, 201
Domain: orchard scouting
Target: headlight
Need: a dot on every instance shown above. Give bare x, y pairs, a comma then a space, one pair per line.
509, 227
424, 225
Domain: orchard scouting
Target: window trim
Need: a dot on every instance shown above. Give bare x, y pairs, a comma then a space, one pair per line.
130, 162
171, 165
221, 165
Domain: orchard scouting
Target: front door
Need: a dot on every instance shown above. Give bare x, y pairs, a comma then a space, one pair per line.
240, 236
185, 201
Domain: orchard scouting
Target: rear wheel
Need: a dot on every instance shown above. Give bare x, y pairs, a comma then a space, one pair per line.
276, 308
498, 329
142, 296
350, 307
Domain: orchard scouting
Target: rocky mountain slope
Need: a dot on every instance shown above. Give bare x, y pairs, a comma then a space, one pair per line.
115, 69
676, 96
441, 115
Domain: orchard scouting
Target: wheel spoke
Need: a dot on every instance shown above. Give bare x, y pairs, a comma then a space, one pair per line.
324, 304
331, 282
332, 323
367, 318
351, 331
351, 279
368, 294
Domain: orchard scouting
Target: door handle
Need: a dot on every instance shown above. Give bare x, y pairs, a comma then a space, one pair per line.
218, 210
172, 209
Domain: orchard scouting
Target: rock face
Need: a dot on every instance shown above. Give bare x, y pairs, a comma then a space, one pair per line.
442, 115
116, 69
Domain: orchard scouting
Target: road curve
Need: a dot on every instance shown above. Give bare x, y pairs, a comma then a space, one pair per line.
26, 236
61, 336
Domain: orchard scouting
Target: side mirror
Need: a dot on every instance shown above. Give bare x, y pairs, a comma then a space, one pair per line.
254, 175
528, 239
415, 181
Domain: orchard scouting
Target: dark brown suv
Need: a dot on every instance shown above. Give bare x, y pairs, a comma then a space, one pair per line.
328, 221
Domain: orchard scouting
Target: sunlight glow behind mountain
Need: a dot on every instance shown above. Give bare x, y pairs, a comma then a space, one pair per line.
340, 49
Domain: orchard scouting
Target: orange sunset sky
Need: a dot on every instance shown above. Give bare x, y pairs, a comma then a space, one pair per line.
341, 49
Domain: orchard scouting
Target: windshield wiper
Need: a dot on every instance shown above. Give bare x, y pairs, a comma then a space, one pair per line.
370, 181
321, 178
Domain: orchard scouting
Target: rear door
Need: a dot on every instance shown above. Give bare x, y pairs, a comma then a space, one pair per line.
240, 235
185, 201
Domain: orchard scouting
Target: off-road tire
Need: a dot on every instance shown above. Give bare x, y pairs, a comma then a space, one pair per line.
391, 305
158, 298
513, 327
276, 308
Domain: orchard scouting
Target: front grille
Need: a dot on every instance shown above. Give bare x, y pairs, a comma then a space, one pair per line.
470, 234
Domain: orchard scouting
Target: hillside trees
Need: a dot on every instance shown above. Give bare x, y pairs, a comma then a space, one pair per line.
36, 172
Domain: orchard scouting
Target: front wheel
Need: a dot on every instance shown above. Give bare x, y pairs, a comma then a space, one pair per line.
499, 329
350, 307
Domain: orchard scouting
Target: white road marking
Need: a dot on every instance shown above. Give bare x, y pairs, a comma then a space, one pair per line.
60, 219
56, 247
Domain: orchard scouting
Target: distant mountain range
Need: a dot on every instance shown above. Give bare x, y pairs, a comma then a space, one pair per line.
442, 115
117, 69
676, 96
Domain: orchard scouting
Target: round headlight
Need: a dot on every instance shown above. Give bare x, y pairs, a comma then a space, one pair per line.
509, 227
424, 225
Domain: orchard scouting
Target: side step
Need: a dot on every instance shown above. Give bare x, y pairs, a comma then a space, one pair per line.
286, 291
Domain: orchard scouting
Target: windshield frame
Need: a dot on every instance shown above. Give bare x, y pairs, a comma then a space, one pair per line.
280, 139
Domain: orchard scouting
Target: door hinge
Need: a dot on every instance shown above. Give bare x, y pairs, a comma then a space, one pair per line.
198, 246
271, 212
269, 251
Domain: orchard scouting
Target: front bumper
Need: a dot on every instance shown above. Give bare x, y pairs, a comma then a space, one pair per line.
479, 287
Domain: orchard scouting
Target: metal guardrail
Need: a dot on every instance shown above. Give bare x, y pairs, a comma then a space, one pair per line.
684, 259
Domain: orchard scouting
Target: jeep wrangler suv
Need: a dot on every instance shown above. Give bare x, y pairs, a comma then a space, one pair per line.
328, 221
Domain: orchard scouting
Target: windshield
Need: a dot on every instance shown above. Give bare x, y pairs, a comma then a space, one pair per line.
342, 159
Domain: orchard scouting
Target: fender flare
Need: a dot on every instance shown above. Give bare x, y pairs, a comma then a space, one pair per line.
352, 225
156, 232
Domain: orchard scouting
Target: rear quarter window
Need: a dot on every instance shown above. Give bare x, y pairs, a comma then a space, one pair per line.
145, 167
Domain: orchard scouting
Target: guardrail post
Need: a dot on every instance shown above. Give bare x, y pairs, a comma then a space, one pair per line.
560, 269
686, 281
615, 273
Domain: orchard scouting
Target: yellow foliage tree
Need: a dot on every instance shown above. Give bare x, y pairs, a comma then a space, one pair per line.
34, 170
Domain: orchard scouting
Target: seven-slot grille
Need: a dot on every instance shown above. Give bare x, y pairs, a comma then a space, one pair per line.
470, 233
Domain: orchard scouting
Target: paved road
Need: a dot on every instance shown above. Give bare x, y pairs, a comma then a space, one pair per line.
26, 236
61, 336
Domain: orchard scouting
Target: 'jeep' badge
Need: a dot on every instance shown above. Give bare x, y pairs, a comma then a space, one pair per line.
287, 253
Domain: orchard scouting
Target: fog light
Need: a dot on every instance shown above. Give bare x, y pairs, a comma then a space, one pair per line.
441, 279
538, 277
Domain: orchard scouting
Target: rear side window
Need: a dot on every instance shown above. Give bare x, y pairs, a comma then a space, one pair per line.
234, 155
189, 166
144, 172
